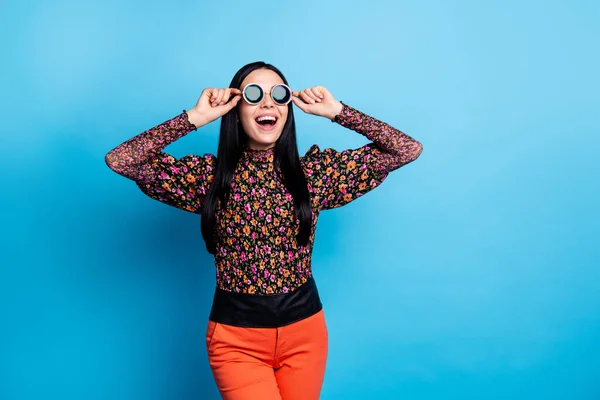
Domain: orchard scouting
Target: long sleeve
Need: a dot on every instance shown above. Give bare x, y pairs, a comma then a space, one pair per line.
396, 147
337, 178
181, 183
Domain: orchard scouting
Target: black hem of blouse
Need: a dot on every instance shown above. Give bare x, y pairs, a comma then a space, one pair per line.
270, 311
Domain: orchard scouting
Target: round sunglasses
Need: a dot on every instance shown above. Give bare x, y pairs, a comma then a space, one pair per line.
280, 94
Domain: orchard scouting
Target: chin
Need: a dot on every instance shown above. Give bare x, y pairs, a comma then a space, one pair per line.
262, 143
264, 139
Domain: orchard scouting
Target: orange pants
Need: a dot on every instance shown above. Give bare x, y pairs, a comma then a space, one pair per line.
284, 363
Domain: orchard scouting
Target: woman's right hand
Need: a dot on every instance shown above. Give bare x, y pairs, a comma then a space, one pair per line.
212, 104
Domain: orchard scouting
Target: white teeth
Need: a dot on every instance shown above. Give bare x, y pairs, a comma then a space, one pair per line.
266, 118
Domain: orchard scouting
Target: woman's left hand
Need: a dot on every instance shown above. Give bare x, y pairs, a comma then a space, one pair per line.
317, 101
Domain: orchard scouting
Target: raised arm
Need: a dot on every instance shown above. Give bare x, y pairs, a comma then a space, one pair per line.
338, 177
395, 147
134, 158
183, 182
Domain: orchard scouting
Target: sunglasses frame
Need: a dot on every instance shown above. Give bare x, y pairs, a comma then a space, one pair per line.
270, 94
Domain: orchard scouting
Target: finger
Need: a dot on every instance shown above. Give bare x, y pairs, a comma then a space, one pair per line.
313, 95
213, 95
226, 96
319, 91
208, 94
220, 97
300, 96
306, 98
234, 101
234, 92
300, 104
296, 94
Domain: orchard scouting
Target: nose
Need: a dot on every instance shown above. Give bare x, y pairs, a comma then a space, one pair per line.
267, 101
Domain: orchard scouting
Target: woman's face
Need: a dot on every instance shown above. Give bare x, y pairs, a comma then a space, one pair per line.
263, 135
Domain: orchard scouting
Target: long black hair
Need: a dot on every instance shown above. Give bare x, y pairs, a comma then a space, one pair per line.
286, 161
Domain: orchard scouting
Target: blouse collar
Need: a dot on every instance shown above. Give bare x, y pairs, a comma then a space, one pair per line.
264, 156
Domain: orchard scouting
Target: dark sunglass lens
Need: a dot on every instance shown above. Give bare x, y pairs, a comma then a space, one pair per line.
281, 94
253, 93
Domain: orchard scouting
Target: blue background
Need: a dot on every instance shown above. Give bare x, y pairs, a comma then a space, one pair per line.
470, 274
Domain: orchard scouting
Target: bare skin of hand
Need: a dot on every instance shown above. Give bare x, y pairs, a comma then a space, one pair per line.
317, 101
212, 104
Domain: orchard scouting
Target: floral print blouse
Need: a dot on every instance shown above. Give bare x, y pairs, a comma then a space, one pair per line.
257, 252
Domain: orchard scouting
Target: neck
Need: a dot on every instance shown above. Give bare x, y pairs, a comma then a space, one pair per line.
258, 147
261, 154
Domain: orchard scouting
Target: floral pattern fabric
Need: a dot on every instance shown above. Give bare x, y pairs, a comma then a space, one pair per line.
256, 229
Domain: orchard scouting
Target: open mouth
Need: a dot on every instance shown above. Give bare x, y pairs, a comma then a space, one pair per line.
266, 122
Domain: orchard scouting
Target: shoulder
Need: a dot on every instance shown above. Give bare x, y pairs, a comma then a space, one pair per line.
194, 160
311, 153
315, 157
328, 156
318, 163
315, 154
191, 163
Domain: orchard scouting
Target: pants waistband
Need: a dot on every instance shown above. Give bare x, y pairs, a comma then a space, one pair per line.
270, 311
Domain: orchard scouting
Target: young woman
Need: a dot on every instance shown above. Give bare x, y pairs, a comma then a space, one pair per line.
259, 202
